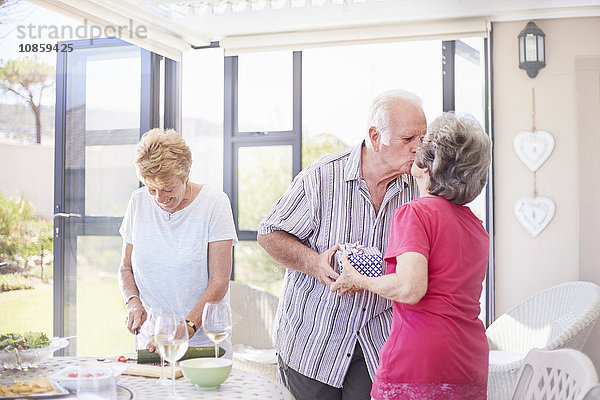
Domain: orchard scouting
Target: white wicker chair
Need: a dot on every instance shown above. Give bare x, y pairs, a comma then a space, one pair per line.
561, 316
593, 393
253, 312
563, 374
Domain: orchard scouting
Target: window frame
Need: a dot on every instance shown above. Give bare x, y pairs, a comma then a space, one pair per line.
234, 139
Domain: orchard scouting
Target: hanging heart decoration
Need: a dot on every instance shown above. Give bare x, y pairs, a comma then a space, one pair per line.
533, 148
534, 213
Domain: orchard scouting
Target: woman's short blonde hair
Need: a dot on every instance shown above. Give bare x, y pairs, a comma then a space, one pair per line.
457, 152
162, 155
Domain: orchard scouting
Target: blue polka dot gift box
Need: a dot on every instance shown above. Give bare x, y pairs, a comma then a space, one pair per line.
366, 260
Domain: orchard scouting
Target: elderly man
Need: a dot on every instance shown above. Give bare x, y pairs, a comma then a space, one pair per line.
328, 345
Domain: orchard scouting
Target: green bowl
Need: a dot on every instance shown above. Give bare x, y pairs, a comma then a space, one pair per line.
206, 373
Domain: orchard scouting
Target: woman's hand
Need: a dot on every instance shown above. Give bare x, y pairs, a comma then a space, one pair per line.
350, 279
151, 348
136, 315
190, 330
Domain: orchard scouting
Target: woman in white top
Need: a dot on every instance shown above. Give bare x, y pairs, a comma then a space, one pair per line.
177, 238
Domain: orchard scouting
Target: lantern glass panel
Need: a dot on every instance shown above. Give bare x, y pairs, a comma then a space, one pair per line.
521, 49
530, 48
540, 48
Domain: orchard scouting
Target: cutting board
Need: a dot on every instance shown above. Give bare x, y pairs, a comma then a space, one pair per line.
150, 370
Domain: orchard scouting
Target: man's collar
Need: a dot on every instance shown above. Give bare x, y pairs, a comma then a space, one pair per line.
352, 171
404, 180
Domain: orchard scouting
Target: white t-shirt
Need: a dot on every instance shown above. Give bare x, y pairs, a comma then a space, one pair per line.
170, 250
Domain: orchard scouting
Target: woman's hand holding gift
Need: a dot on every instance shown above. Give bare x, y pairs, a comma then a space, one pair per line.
350, 279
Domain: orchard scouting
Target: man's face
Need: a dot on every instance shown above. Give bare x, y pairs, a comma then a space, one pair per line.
407, 130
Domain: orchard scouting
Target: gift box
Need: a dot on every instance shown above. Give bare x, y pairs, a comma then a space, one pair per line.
366, 260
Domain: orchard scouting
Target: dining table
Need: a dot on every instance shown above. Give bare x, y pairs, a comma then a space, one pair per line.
239, 385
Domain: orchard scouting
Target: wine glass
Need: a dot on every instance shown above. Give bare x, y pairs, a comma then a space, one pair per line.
216, 322
149, 325
171, 338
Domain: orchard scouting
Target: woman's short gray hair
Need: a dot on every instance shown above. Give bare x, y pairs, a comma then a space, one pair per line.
457, 152
380, 113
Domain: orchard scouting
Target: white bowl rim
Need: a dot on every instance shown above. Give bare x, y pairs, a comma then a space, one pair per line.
61, 375
198, 362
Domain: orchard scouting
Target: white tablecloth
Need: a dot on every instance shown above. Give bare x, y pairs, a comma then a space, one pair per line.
239, 385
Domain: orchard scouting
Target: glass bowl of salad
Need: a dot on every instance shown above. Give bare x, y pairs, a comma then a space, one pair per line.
20, 351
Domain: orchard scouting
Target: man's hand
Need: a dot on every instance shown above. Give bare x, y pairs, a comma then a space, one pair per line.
322, 269
287, 250
349, 281
136, 315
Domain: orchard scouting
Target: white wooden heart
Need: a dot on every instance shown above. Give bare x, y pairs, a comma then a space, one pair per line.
534, 213
533, 148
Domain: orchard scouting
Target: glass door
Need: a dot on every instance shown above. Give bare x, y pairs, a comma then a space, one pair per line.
107, 96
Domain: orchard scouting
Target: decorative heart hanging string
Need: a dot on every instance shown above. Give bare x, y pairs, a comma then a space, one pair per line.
533, 148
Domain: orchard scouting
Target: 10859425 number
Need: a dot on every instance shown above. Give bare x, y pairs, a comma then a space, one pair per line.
45, 47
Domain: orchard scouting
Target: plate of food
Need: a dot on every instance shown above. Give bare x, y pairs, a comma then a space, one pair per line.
19, 351
35, 388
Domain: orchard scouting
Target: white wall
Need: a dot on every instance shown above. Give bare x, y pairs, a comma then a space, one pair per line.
28, 170
525, 265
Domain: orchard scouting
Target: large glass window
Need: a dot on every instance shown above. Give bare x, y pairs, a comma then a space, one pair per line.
339, 83
119, 74
337, 86
265, 92
264, 173
262, 150
202, 113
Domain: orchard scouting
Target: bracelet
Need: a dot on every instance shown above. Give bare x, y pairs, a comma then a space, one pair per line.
131, 297
191, 325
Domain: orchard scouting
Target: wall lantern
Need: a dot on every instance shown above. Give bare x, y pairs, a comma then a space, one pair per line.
532, 49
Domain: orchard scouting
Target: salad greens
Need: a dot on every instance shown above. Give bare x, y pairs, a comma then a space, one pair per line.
27, 340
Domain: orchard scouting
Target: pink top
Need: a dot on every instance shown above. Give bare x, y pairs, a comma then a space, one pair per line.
437, 346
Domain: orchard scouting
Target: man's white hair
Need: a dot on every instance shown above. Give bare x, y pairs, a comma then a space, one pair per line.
380, 113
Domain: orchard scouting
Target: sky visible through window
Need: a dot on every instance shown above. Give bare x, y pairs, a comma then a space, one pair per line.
24, 14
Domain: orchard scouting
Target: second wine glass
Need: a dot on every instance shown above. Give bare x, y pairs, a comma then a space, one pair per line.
171, 338
216, 322
149, 325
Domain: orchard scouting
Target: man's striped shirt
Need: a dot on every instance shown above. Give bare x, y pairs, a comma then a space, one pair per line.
328, 203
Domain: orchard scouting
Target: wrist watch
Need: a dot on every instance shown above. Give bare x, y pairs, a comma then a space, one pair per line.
191, 325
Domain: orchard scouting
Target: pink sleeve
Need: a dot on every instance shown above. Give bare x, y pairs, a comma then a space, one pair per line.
408, 233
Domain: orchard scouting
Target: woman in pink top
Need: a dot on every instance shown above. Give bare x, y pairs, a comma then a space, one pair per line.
436, 262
